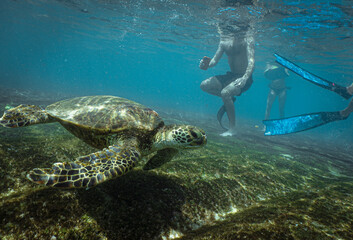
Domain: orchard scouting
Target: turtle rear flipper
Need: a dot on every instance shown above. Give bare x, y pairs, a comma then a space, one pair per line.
88, 171
24, 115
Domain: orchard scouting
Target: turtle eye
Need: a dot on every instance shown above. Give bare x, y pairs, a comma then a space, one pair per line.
193, 134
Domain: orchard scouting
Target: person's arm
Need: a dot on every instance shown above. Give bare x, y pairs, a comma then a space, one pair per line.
250, 50
217, 56
214, 60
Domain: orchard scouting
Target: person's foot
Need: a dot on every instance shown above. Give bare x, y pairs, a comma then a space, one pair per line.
229, 133
344, 114
264, 128
350, 89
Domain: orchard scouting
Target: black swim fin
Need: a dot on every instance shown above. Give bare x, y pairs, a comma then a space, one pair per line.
340, 90
300, 123
220, 114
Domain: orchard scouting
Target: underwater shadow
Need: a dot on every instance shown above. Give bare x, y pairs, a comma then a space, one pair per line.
140, 205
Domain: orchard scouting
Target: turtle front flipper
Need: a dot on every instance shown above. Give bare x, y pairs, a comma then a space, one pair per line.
163, 156
24, 115
88, 171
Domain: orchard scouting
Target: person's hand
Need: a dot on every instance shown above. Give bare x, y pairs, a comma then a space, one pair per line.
204, 63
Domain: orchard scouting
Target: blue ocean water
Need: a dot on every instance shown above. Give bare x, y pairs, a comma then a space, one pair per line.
149, 51
249, 186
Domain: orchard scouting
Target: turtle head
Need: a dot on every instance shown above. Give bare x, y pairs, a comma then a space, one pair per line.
180, 136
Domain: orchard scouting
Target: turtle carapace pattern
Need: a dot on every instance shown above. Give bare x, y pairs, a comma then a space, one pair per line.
124, 131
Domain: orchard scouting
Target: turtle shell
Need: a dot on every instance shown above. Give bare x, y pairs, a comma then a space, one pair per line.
105, 114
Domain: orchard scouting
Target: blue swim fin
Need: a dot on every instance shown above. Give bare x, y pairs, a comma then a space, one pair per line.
340, 90
300, 123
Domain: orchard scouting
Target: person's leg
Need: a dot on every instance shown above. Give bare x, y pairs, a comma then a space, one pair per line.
212, 86
281, 102
229, 105
227, 93
270, 99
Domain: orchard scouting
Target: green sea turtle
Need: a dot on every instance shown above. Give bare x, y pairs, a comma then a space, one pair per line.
123, 130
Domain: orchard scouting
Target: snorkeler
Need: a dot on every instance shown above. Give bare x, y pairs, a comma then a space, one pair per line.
307, 121
238, 44
276, 74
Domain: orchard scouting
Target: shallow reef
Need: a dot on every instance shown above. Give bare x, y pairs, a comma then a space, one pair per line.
243, 187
